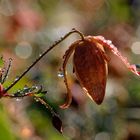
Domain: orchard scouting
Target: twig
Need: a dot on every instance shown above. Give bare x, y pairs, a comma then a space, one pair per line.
43, 54
7, 71
46, 105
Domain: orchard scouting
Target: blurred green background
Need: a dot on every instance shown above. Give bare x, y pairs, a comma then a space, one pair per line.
28, 27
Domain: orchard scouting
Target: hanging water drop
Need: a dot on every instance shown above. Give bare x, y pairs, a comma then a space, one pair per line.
60, 74
18, 91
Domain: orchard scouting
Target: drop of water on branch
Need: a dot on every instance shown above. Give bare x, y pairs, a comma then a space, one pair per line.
60, 74
17, 77
35, 87
36, 100
109, 42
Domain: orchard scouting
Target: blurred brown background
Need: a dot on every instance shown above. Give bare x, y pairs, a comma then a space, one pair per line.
28, 27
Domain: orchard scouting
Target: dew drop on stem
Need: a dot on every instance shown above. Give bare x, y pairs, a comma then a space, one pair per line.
25, 87
17, 77
34, 88
60, 74
36, 100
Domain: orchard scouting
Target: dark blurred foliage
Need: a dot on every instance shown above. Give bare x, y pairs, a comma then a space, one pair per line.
28, 27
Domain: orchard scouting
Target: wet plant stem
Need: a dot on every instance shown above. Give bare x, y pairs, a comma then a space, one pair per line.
43, 54
46, 105
7, 72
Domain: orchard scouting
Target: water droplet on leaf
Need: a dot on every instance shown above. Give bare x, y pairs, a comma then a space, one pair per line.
35, 87
17, 77
109, 42
18, 99
25, 87
36, 100
19, 91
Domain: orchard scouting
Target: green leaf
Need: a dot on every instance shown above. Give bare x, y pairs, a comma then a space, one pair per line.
39, 95
1, 62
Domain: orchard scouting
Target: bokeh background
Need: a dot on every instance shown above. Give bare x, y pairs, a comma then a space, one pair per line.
29, 27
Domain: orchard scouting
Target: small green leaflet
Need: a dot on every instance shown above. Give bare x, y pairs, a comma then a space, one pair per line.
1, 62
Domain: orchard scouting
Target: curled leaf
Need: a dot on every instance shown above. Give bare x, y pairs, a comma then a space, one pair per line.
110, 46
90, 66
69, 95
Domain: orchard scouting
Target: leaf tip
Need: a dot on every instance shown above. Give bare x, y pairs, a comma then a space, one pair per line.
57, 123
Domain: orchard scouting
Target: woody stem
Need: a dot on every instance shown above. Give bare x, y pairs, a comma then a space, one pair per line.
43, 54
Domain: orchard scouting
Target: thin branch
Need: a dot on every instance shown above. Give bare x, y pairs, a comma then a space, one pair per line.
18, 96
46, 105
43, 54
15, 95
7, 71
